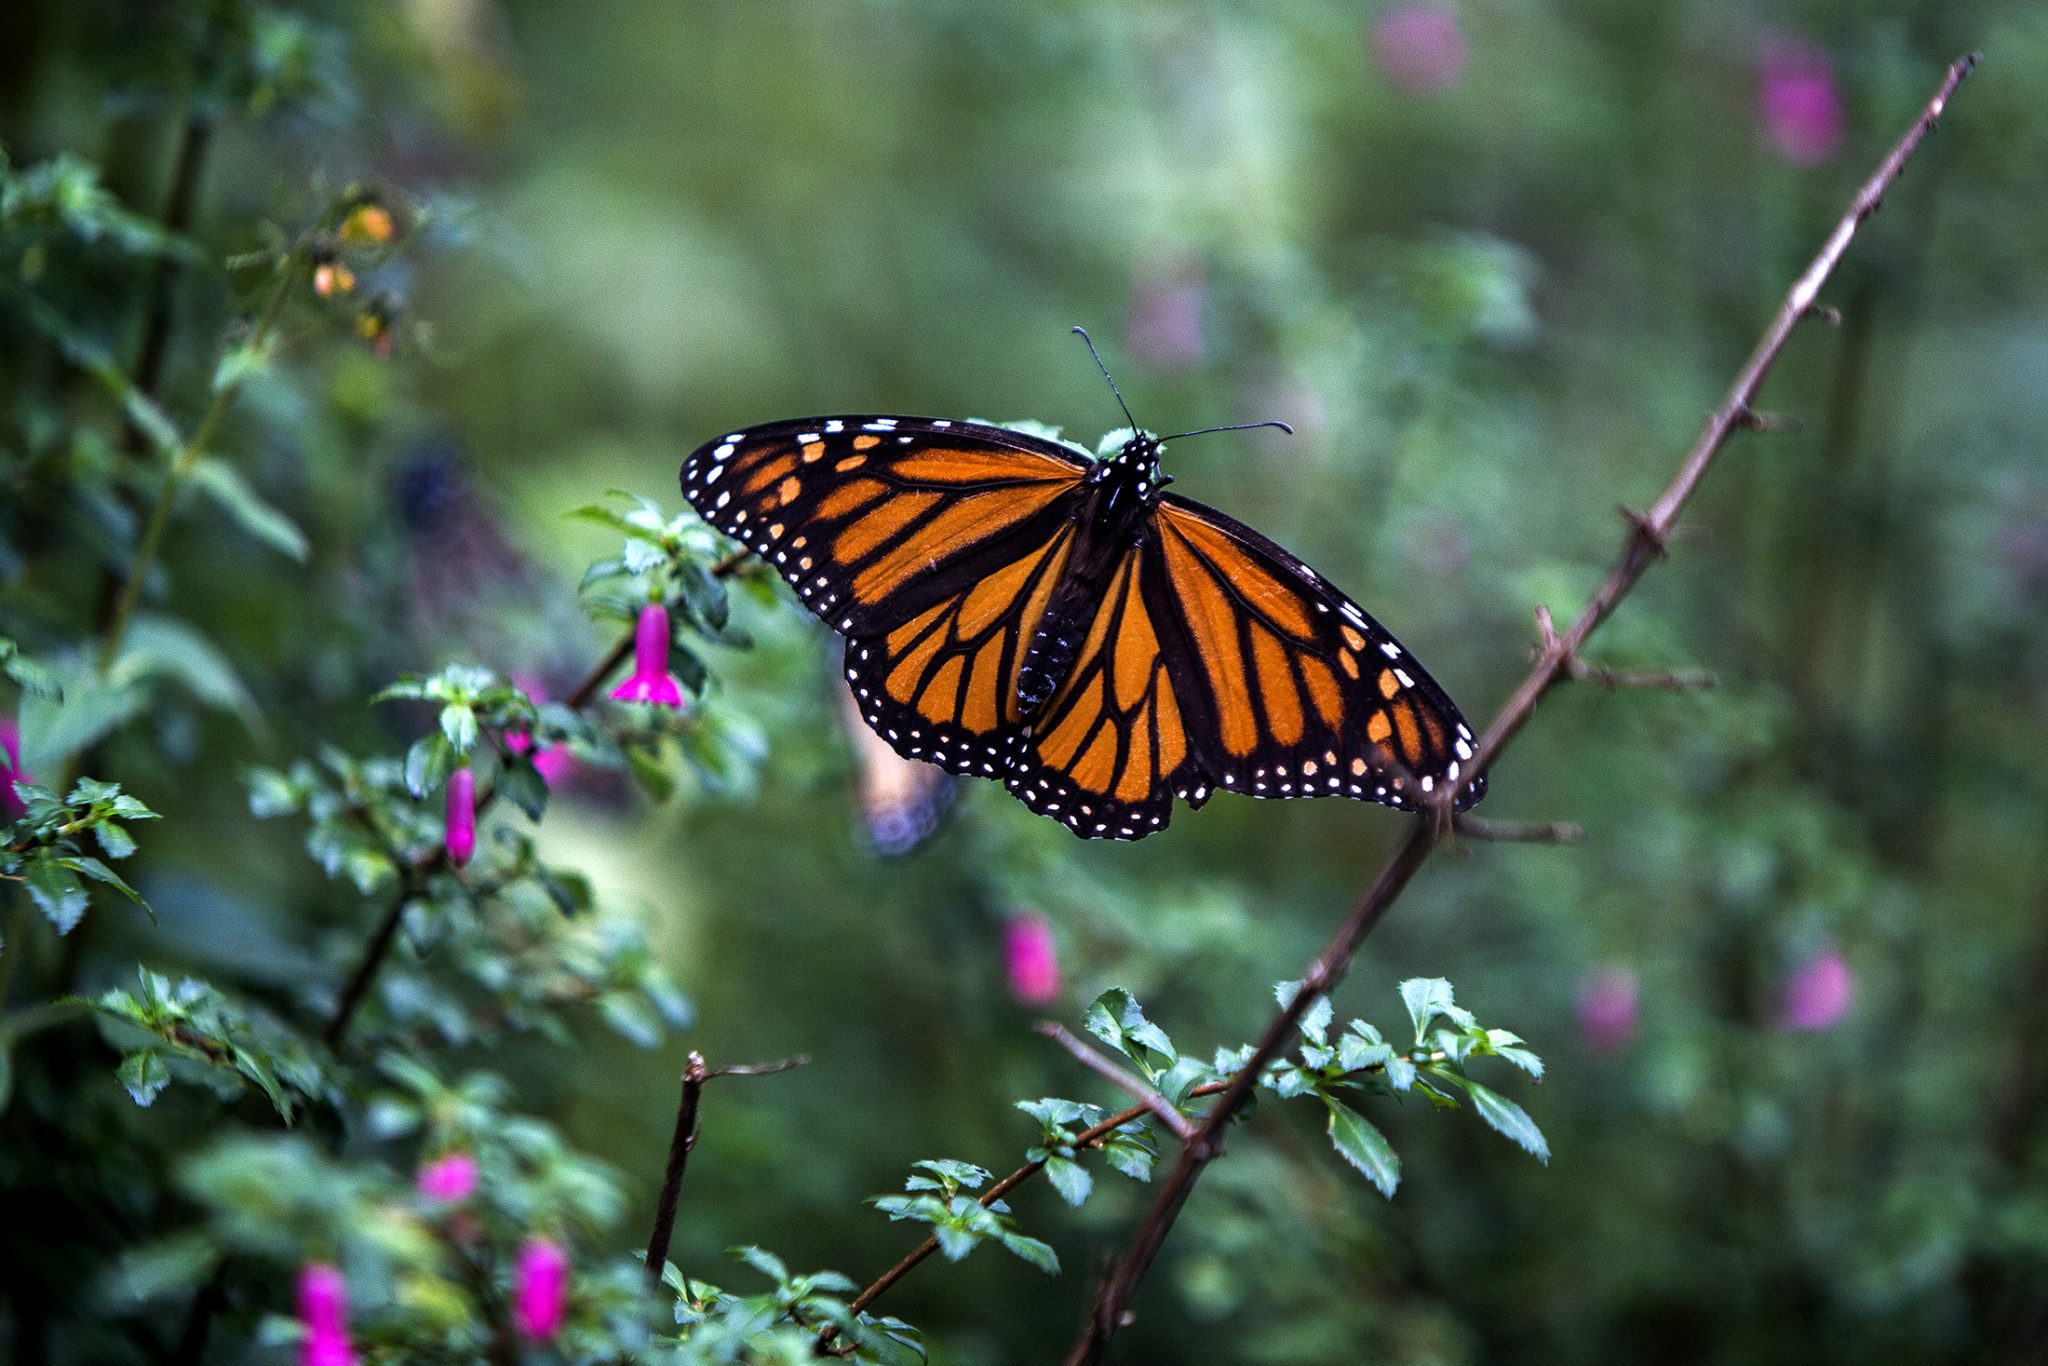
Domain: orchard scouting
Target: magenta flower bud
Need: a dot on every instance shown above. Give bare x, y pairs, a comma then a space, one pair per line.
461, 816
1420, 48
1607, 1008
323, 1310
11, 806
1819, 992
1031, 960
1798, 101
650, 680
540, 1291
449, 1179
554, 764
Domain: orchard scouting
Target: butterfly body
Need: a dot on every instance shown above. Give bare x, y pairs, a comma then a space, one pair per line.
1064, 626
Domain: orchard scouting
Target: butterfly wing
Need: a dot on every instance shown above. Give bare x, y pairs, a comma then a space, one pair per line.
933, 546
1291, 689
872, 519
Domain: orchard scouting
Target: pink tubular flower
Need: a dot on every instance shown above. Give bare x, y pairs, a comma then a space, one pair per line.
1030, 960
1607, 1008
11, 806
323, 1309
461, 816
1819, 992
650, 680
1798, 101
552, 763
449, 1179
540, 1292
1420, 48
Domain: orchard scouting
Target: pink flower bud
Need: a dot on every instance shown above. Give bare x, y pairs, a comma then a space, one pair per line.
1420, 48
1798, 101
11, 806
1031, 960
553, 763
1819, 992
540, 1290
449, 1178
323, 1310
1607, 1008
650, 680
461, 816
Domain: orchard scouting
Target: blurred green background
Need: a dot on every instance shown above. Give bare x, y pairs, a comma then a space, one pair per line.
1495, 262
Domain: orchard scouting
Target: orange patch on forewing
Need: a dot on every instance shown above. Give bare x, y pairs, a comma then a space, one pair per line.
965, 524
998, 592
786, 491
852, 462
1353, 638
877, 526
1136, 780
940, 700
1276, 687
1389, 685
1251, 579
767, 473
1215, 630
1350, 663
851, 497
1411, 736
982, 702
866, 443
1378, 728
812, 450
1097, 767
950, 465
1322, 690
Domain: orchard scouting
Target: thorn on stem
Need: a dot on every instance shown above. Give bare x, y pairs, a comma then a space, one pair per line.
1826, 313
1645, 529
1521, 832
1767, 422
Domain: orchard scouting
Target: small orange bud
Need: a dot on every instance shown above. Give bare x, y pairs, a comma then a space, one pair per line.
331, 278
368, 223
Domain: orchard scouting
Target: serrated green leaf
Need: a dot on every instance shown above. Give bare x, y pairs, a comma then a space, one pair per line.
99, 872
234, 495
458, 724
56, 891
1426, 998
145, 1076
1069, 1178
1033, 1251
1508, 1118
1361, 1144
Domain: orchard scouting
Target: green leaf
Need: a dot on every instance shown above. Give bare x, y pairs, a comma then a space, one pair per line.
56, 891
1069, 1178
99, 872
160, 646
1031, 1250
767, 1263
238, 363
1426, 998
56, 726
428, 762
113, 840
145, 1076
954, 1241
1361, 1144
458, 723
520, 783
1508, 1118
224, 484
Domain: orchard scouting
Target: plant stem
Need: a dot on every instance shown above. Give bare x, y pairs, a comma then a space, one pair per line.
1647, 537
181, 466
373, 959
695, 1074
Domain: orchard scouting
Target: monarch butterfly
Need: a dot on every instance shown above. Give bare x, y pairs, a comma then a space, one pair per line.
1015, 612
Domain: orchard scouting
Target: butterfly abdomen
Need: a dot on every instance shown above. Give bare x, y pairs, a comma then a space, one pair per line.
1109, 522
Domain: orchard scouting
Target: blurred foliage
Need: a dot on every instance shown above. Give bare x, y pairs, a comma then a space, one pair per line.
355, 303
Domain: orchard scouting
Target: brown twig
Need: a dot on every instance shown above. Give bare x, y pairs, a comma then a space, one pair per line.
1162, 1109
373, 958
684, 1141
1648, 535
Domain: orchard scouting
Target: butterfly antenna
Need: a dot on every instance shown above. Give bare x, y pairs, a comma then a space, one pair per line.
1236, 427
1082, 333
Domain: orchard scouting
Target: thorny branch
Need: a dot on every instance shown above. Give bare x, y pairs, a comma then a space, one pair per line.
1648, 535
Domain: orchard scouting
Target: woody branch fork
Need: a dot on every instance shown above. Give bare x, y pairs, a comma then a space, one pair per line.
1555, 663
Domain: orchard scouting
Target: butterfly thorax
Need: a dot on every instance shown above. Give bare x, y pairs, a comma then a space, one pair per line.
1113, 516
